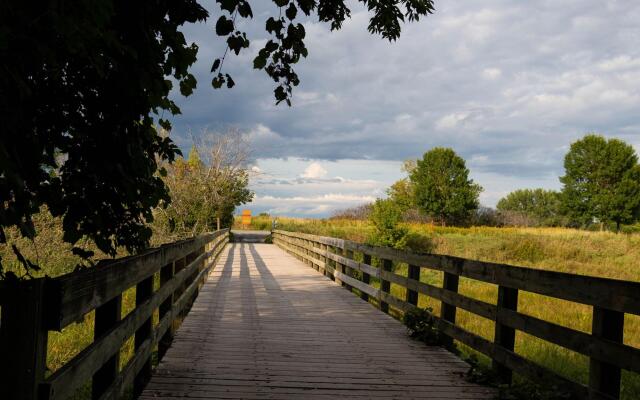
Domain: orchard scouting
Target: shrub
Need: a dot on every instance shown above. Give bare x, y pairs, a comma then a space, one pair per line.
421, 324
386, 216
419, 243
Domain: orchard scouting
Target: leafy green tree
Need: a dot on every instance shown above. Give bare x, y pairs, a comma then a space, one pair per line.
85, 84
206, 186
601, 182
442, 187
402, 191
386, 216
540, 205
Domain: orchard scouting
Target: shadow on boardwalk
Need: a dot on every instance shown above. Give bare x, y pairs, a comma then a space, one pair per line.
266, 325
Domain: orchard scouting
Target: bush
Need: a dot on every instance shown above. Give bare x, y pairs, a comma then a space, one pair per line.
419, 243
421, 325
385, 217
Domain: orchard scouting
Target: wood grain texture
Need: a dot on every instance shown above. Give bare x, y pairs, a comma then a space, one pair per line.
265, 325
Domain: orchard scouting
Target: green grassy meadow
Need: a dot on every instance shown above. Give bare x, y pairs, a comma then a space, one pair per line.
603, 254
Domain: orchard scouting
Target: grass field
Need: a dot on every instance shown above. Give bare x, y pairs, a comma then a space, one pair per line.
602, 254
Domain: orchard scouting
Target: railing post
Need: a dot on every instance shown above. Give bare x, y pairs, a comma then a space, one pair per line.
448, 311
604, 378
23, 340
505, 336
346, 270
412, 295
144, 290
166, 274
385, 286
179, 265
106, 317
324, 260
308, 244
338, 266
366, 278
313, 265
200, 268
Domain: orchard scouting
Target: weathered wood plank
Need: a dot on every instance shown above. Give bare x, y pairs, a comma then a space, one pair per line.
265, 325
126, 378
83, 291
23, 340
385, 285
144, 292
65, 380
366, 276
505, 335
363, 287
413, 273
604, 378
107, 316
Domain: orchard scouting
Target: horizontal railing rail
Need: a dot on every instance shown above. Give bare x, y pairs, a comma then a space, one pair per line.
610, 300
34, 307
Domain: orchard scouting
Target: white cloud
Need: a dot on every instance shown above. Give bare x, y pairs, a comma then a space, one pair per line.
261, 132
491, 73
314, 170
451, 120
319, 205
618, 63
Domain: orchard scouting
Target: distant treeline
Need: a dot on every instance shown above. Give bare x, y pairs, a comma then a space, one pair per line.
601, 190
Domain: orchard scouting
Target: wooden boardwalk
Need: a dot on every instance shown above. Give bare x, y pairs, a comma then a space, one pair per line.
265, 325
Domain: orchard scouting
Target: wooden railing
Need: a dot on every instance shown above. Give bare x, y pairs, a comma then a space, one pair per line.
35, 307
610, 300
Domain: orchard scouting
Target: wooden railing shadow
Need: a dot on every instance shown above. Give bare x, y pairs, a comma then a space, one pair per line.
34, 307
610, 300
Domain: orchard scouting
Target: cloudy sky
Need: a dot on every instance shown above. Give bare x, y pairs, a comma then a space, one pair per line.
508, 84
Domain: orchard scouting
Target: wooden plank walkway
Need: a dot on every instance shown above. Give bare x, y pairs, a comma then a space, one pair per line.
267, 326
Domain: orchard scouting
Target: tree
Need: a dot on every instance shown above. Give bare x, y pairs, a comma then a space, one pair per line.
601, 182
206, 186
84, 86
402, 191
442, 187
538, 205
386, 216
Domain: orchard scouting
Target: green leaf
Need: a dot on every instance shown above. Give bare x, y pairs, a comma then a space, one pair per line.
230, 82
216, 65
291, 12
217, 81
273, 26
224, 26
244, 9
271, 46
259, 62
